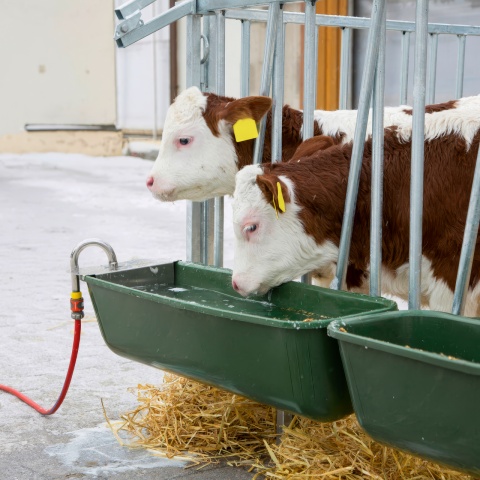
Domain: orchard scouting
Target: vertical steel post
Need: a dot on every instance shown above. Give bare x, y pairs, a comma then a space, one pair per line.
359, 142
278, 90
309, 70
207, 55
345, 57
220, 88
309, 81
432, 68
377, 167
155, 82
266, 81
209, 85
282, 418
460, 66
404, 67
418, 132
245, 60
194, 209
468, 245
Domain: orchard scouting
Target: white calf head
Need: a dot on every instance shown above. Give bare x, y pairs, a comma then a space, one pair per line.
197, 158
271, 247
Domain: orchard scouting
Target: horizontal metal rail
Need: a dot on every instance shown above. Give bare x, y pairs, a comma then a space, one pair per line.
133, 29
255, 15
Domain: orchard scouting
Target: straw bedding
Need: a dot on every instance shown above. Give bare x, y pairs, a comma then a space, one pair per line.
203, 424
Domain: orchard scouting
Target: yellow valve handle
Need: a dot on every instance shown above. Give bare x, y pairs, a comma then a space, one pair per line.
245, 129
76, 295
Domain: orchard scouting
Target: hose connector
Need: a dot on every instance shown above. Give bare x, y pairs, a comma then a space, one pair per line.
76, 305
76, 300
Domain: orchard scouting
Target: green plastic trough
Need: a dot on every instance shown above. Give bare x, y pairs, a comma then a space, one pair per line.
414, 380
187, 319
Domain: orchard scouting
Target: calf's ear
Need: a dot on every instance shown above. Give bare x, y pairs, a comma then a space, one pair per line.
274, 190
248, 107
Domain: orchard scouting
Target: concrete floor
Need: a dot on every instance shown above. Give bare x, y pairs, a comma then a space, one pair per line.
48, 204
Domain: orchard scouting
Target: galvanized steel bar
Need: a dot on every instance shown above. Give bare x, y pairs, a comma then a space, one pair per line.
245, 60
219, 231
129, 8
309, 81
468, 245
209, 83
194, 209
155, 83
309, 70
432, 68
207, 223
345, 57
460, 66
206, 58
418, 129
353, 22
126, 34
220, 89
377, 167
278, 91
359, 142
274, 12
208, 61
206, 6
404, 67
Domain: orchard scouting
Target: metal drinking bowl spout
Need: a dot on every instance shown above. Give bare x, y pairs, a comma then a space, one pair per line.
77, 311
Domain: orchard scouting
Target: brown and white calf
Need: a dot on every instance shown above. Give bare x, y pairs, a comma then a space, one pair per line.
199, 157
272, 247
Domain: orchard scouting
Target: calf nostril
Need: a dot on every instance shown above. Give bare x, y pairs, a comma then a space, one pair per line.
234, 285
150, 182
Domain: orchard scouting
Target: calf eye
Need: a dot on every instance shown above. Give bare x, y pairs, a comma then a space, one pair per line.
251, 228
184, 141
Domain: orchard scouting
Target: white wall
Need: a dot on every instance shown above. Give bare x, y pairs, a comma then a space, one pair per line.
57, 63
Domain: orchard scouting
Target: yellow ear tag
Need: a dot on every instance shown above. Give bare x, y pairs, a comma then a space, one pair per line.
275, 207
245, 129
281, 201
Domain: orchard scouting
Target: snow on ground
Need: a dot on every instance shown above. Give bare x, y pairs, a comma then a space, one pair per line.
48, 204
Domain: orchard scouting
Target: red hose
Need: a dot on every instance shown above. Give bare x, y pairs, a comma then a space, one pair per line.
66, 384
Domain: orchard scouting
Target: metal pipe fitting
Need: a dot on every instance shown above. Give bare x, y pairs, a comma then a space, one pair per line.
112, 258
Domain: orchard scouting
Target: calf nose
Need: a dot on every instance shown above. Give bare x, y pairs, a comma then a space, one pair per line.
149, 182
234, 285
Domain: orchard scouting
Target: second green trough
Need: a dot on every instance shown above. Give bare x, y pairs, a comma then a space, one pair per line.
186, 318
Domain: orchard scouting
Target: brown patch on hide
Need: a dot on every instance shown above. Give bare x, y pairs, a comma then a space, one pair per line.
292, 121
439, 107
320, 184
312, 146
231, 110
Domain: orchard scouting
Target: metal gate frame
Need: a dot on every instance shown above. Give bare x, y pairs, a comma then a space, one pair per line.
205, 219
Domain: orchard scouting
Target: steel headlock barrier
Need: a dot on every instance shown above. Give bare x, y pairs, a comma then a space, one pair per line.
206, 24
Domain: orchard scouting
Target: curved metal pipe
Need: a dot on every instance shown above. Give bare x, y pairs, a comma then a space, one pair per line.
112, 258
